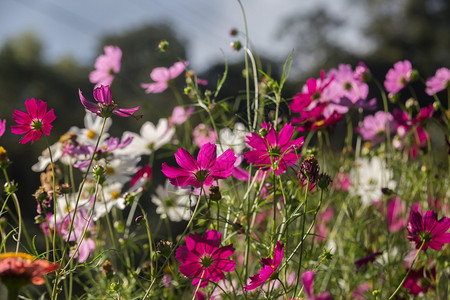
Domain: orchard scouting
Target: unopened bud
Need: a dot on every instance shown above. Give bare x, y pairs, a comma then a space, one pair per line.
139, 220
214, 193
163, 45
236, 45
10, 187
164, 248
414, 75
108, 269
324, 181
263, 132
233, 32
99, 174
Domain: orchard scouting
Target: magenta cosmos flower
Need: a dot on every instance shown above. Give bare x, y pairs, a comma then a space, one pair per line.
162, 76
106, 65
428, 229
398, 77
105, 106
308, 280
203, 259
270, 266
268, 149
440, 81
2, 127
36, 121
202, 171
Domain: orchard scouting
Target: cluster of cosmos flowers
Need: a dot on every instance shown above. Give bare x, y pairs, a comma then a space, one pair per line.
116, 176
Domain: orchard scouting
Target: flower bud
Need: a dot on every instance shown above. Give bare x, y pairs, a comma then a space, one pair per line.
99, 174
139, 220
108, 269
414, 75
10, 187
163, 45
263, 132
214, 193
4, 159
324, 181
236, 45
233, 32
164, 248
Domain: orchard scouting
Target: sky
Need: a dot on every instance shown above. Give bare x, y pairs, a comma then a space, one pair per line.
75, 28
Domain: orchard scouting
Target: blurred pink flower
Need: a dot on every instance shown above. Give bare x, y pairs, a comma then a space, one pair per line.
162, 76
398, 77
105, 106
373, 128
395, 218
200, 171
321, 226
34, 122
204, 134
106, 65
308, 280
342, 182
2, 127
144, 173
428, 229
203, 258
180, 115
440, 81
270, 266
279, 149
419, 281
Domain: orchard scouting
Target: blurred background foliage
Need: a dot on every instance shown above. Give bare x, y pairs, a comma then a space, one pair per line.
394, 30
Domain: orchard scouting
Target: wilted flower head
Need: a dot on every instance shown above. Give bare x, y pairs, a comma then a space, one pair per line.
309, 171
270, 267
203, 258
34, 122
106, 65
162, 76
428, 229
105, 106
440, 81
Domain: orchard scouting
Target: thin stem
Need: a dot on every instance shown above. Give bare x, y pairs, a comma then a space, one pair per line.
407, 273
247, 80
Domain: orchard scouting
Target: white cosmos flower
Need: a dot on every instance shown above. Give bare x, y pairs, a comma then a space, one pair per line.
369, 177
233, 139
151, 138
173, 202
121, 169
93, 126
113, 197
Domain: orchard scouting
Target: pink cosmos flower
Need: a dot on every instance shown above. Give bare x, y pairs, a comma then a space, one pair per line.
203, 259
106, 65
373, 128
36, 121
144, 173
204, 134
419, 281
440, 81
2, 127
162, 76
270, 266
428, 229
180, 115
202, 171
307, 280
395, 219
272, 148
342, 181
398, 77
321, 227
347, 91
106, 106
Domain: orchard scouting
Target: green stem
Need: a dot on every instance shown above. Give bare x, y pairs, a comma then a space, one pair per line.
407, 273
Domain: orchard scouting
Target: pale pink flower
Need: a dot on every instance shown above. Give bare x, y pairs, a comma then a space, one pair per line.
374, 127
162, 76
180, 115
204, 134
440, 81
398, 77
106, 65
396, 220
